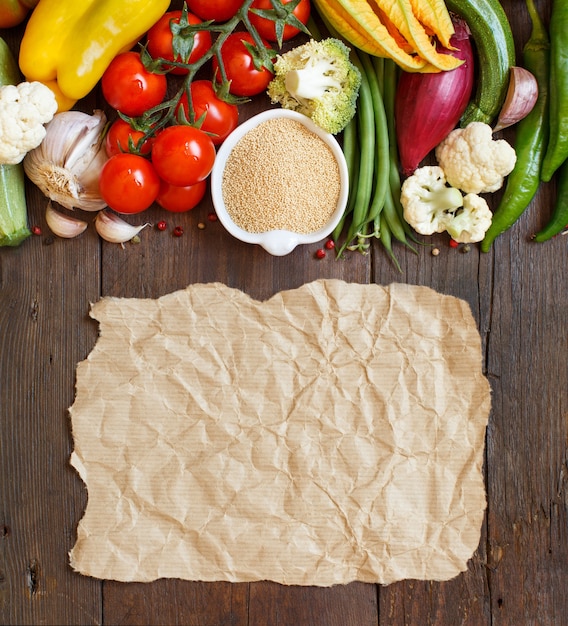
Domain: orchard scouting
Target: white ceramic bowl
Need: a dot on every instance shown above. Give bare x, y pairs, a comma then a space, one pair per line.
276, 242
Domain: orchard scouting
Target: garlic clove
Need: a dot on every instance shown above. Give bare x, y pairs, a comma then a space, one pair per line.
67, 164
114, 229
63, 225
521, 97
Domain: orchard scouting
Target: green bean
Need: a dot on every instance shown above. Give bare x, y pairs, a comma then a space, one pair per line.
393, 220
557, 150
390, 82
531, 137
559, 219
386, 240
350, 150
379, 65
366, 134
389, 91
361, 241
382, 163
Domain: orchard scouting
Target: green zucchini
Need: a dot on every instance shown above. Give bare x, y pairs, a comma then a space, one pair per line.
13, 208
495, 49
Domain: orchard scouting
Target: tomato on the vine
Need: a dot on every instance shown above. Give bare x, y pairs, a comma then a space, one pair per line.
180, 199
221, 117
265, 26
121, 135
246, 79
183, 155
129, 183
217, 10
160, 40
129, 87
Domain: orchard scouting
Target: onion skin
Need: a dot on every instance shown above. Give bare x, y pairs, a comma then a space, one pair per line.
429, 106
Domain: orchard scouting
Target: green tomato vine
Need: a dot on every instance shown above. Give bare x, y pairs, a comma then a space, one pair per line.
169, 112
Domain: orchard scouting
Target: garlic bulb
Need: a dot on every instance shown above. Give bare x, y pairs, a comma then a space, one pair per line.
67, 164
521, 97
114, 229
63, 225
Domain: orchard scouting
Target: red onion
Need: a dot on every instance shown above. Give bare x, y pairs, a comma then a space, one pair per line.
429, 106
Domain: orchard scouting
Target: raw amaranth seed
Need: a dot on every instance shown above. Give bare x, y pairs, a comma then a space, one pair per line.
280, 175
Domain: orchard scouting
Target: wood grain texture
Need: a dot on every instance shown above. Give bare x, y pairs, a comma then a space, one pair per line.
519, 297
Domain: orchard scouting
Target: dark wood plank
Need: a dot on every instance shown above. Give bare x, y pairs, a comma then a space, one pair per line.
528, 367
45, 285
527, 439
518, 296
354, 604
44, 333
176, 602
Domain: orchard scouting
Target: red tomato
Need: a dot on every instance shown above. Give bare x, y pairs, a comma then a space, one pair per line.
183, 155
180, 199
265, 27
14, 12
217, 10
245, 79
129, 87
118, 137
160, 40
221, 117
128, 183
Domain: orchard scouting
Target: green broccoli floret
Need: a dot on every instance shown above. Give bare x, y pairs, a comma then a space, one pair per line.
317, 79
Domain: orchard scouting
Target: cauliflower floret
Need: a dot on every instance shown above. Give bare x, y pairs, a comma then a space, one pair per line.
470, 223
24, 109
426, 200
473, 161
431, 206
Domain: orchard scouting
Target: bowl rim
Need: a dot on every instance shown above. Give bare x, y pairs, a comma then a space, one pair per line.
270, 239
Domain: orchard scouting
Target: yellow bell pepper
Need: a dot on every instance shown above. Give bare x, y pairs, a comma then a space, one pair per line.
68, 44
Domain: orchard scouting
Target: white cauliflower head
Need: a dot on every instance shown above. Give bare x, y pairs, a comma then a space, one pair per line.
473, 161
24, 109
431, 206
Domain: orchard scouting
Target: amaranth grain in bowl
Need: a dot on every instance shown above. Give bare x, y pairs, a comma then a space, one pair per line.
281, 176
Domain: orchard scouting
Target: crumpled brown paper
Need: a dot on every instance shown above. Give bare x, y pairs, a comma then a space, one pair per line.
332, 433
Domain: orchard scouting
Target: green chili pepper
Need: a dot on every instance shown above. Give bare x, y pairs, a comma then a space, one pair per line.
557, 151
531, 137
559, 219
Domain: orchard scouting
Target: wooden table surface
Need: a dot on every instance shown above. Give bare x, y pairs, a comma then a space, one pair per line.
519, 297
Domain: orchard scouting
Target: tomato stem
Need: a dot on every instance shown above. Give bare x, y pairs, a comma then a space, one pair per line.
170, 111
